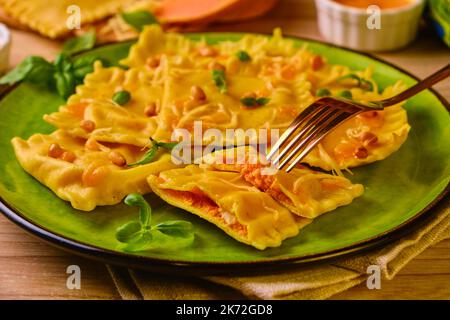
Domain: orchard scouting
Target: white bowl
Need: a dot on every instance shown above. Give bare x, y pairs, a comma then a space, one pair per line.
5, 46
356, 28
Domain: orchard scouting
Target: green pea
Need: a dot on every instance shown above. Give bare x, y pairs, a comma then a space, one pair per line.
323, 92
121, 97
345, 94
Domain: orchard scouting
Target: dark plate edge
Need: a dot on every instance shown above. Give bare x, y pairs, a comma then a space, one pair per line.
209, 268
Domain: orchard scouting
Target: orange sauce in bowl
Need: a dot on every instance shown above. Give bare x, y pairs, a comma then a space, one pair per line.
383, 4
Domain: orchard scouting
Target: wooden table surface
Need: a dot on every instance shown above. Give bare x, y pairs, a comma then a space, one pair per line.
32, 269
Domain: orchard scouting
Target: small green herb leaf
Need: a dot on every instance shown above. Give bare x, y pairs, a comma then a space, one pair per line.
220, 80
148, 156
140, 235
345, 94
79, 44
65, 83
243, 56
33, 68
63, 75
367, 84
63, 63
141, 242
252, 102
145, 211
248, 101
262, 101
153, 151
121, 97
139, 19
350, 76
363, 83
323, 92
128, 231
166, 145
175, 228
83, 66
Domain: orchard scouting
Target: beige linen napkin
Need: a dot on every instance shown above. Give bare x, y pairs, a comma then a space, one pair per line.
318, 281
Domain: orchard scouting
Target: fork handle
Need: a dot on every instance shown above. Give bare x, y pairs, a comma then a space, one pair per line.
420, 86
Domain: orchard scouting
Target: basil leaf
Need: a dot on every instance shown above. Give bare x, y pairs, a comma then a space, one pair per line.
361, 81
33, 68
252, 102
139, 19
79, 44
83, 66
167, 145
220, 80
128, 231
175, 228
262, 101
63, 63
368, 84
145, 211
141, 242
350, 76
248, 101
243, 56
65, 84
148, 156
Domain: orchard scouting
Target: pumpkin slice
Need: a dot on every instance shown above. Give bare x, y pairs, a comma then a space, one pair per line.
188, 11
86, 173
304, 192
198, 11
246, 9
226, 200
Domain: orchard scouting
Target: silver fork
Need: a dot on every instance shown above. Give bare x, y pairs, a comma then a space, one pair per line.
321, 117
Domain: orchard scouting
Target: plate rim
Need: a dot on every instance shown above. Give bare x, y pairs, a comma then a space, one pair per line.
219, 267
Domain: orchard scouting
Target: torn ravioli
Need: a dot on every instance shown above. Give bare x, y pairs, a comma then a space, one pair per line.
304, 192
228, 201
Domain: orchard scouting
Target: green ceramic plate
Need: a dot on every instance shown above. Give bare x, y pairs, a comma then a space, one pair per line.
399, 189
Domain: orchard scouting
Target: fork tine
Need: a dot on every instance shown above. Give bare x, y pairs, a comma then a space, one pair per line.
305, 114
322, 114
318, 137
318, 126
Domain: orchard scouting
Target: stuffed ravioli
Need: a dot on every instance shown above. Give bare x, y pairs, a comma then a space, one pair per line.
228, 201
91, 112
304, 192
86, 172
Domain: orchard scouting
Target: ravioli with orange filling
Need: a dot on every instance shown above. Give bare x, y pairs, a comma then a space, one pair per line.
86, 173
228, 201
366, 138
304, 192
